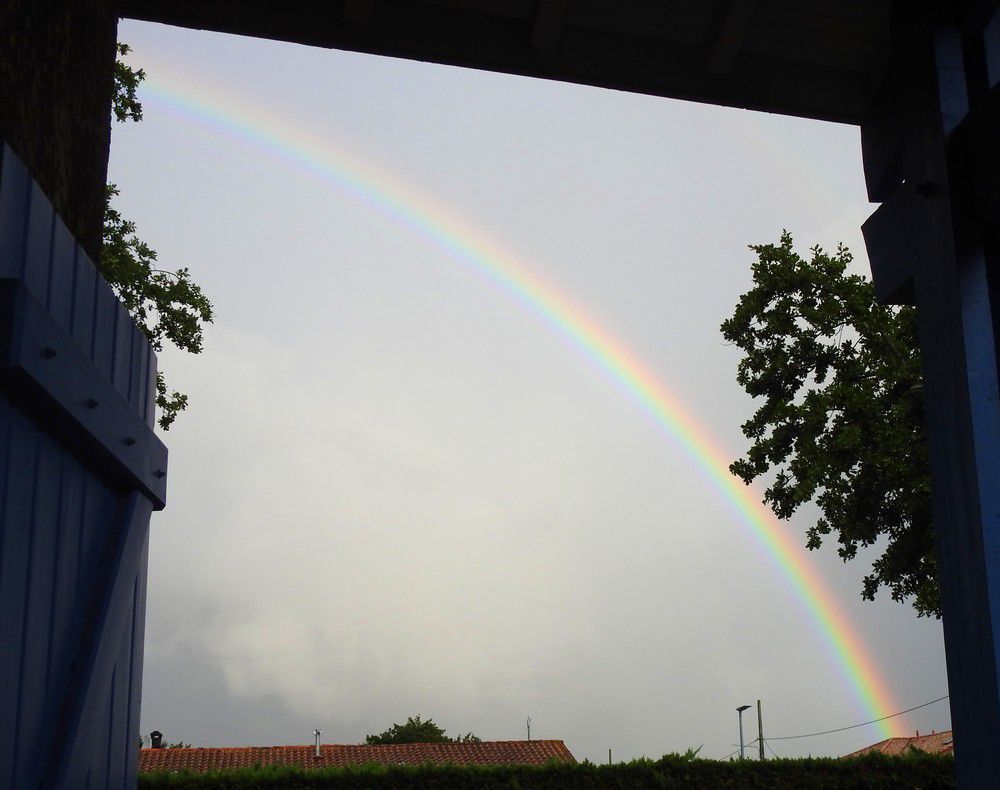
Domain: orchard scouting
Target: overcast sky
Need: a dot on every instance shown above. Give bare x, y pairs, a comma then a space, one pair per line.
399, 491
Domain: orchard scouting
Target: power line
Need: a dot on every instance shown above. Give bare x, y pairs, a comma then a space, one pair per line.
853, 726
748, 745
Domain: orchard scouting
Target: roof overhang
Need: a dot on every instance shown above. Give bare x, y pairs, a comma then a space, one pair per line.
796, 57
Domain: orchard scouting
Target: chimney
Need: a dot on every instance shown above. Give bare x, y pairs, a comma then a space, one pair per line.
316, 734
156, 739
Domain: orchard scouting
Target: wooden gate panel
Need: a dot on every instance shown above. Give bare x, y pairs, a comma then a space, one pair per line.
15, 499
37, 242
80, 473
34, 701
122, 368
37, 250
84, 284
95, 749
66, 564
71, 518
134, 659
62, 269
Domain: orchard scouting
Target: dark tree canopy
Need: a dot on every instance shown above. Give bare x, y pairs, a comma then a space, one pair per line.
416, 730
840, 418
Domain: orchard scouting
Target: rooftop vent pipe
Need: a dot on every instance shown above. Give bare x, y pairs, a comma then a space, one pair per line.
316, 733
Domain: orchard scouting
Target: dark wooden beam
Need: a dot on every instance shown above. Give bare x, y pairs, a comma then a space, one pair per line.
548, 24
737, 19
893, 238
359, 11
468, 35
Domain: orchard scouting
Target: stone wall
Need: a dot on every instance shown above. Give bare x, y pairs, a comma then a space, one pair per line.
56, 81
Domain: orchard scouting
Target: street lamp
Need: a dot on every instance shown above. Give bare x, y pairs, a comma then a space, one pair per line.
740, 710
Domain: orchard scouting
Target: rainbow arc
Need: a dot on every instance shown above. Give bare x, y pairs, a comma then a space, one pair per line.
192, 100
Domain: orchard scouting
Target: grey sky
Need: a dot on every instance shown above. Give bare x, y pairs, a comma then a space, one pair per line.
397, 491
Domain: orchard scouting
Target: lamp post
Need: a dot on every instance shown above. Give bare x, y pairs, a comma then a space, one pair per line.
740, 710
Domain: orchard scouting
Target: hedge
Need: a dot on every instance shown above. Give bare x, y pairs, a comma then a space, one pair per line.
872, 772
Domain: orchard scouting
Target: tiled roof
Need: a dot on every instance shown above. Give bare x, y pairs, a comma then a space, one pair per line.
935, 743
483, 753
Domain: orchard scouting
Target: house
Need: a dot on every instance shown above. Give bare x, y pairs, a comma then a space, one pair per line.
935, 743
468, 753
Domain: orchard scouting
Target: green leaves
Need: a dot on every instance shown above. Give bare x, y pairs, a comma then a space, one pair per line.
124, 102
166, 305
841, 419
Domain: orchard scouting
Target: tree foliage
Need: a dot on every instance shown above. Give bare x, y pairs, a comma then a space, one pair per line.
416, 730
166, 305
841, 421
125, 103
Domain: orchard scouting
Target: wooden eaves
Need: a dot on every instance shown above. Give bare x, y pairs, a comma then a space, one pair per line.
809, 58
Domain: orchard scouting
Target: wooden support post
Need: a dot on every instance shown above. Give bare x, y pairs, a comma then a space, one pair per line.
931, 241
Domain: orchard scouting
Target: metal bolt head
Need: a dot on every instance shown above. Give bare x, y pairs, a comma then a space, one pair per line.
91, 403
129, 441
48, 352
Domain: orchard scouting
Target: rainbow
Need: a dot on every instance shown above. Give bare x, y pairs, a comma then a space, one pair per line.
191, 99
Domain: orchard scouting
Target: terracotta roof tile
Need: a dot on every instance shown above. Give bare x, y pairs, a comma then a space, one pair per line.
935, 743
483, 753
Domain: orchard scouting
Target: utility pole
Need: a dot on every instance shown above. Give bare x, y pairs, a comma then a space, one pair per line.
760, 732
